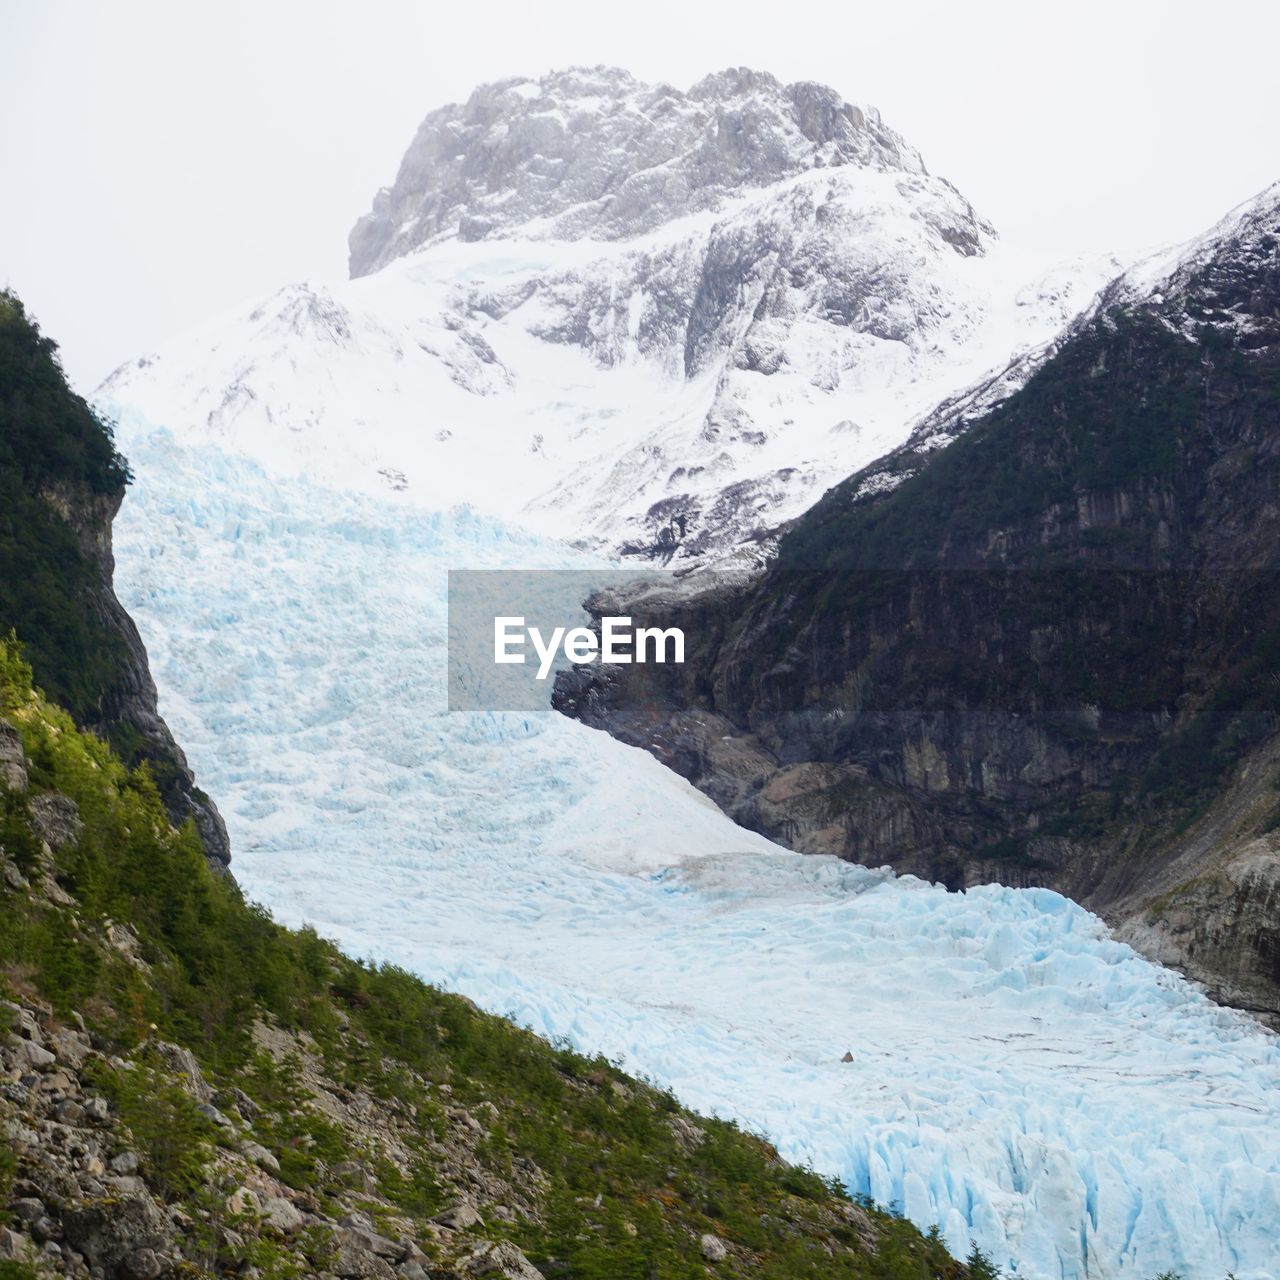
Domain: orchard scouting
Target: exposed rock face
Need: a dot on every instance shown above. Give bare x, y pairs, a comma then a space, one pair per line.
1043, 655
56, 820
594, 152
13, 765
128, 704
61, 484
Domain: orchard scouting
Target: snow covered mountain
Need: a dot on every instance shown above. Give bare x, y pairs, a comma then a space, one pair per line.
625, 315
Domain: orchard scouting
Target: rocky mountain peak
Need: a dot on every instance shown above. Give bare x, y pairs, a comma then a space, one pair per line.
592, 152
1227, 278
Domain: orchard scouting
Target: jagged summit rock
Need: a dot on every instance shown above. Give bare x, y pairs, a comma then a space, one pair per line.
594, 152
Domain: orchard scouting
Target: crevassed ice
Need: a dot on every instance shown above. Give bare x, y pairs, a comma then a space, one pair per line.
1018, 1078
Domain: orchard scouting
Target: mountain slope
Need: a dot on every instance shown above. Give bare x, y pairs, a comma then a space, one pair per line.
61, 483
1044, 654
188, 1089
625, 315
191, 1089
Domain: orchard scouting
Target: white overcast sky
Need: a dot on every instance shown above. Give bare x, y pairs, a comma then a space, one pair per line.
162, 160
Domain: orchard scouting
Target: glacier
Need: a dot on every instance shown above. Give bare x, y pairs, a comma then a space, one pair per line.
1018, 1077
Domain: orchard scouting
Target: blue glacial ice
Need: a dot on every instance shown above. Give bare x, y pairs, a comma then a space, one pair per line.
1018, 1077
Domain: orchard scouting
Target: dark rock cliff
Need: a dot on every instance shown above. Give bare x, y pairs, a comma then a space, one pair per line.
61, 484
1046, 654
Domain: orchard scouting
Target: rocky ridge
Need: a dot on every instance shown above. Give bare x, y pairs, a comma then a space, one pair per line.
594, 153
1038, 654
61, 485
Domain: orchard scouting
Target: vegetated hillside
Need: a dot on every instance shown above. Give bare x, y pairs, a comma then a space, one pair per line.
1045, 654
61, 483
191, 1089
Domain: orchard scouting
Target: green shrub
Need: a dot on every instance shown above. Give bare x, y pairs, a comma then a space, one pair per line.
17, 838
172, 1138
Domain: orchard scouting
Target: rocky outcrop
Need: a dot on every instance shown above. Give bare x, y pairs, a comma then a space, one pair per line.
126, 711
61, 484
594, 152
1042, 655
13, 764
87, 1201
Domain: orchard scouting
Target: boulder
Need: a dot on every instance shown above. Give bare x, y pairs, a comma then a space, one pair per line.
260, 1156
713, 1249
688, 1135
97, 1110
71, 1047
501, 1261
69, 1112
239, 1101
281, 1216
45, 1229
243, 1200
35, 1056
21, 1020
358, 1256
459, 1217
112, 1236
14, 1247
214, 1116
186, 1070
356, 1175
142, 1264
27, 1209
